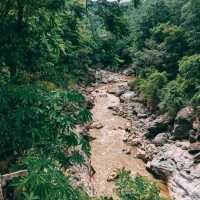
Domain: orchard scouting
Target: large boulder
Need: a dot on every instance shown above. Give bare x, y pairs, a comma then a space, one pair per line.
129, 71
90, 101
177, 166
161, 139
127, 96
139, 109
197, 158
183, 123
95, 125
159, 125
194, 134
194, 148
118, 90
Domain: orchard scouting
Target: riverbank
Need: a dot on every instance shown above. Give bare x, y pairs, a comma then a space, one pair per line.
172, 159
109, 151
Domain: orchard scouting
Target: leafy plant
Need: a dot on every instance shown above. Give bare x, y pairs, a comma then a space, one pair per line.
173, 98
151, 88
33, 117
189, 68
137, 188
44, 181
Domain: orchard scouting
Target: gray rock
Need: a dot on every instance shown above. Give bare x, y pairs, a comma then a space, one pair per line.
96, 125
141, 154
194, 136
177, 166
194, 148
183, 123
160, 124
90, 102
197, 158
139, 108
142, 115
161, 139
129, 71
126, 137
127, 96
118, 90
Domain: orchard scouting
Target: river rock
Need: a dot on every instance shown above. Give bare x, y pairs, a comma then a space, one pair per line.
139, 108
113, 176
183, 123
134, 141
129, 71
194, 136
177, 166
194, 148
197, 158
127, 151
118, 90
126, 136
96, 125
161, 139
90, 102
150, 150
160, 124
127, 96
142, 115
141, 154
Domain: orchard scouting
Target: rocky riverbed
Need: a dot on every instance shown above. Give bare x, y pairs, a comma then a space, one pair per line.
170, 148
125, 134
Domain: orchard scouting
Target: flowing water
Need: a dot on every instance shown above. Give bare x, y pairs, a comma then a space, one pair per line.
107, 154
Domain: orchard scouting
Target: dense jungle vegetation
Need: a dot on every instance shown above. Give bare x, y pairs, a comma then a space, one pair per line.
48, 48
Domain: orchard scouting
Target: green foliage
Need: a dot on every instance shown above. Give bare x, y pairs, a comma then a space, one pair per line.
196, 103
49, 45
112, 52
45, 181
113, 18
156, 11
134, 84
111, 33
137, 188
173, 98
151, 88
191, 23
160, 51
44, 37
45, 120
167, 38
189, 69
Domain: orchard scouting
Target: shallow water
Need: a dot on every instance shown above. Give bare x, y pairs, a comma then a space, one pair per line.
107, 153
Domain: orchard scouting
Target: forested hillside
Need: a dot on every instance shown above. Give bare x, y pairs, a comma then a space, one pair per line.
50, 51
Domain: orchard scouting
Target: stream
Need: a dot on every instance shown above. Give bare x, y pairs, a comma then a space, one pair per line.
107, 148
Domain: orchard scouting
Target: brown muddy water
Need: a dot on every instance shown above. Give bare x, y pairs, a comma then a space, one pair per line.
107, 154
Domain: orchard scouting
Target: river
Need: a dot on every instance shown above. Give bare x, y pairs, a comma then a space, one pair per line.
107, 149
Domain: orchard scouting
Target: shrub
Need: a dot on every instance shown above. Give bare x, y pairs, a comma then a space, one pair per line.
45, 180
134, 84
173, 98
33, 117
189, 68
151, 88
136, 188
196, 102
